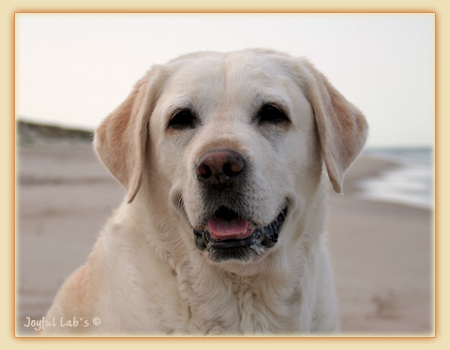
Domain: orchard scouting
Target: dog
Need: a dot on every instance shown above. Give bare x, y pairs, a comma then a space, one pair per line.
226, 159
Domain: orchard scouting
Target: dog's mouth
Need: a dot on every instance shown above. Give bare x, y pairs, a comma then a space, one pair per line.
229, 236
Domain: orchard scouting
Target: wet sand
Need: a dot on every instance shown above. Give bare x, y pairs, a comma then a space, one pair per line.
381, 252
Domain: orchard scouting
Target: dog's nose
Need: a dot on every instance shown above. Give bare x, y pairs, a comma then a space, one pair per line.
220, 168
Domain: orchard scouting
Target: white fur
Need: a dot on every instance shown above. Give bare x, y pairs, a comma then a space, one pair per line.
145, 275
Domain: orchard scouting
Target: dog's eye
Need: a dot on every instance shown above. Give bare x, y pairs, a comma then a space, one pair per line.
183, 120
270, 114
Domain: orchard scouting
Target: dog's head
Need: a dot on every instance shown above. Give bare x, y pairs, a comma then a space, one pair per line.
233, 144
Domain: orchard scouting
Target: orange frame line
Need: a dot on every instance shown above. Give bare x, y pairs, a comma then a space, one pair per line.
215, 11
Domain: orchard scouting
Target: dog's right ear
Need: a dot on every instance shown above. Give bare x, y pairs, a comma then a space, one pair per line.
120, 141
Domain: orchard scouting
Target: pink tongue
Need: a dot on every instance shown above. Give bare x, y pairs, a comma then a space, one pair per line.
222, 229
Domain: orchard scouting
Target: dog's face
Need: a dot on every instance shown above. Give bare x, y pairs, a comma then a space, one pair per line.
235, 143
234, 135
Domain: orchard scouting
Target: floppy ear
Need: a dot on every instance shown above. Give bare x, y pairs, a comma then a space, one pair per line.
121, 140
342, 127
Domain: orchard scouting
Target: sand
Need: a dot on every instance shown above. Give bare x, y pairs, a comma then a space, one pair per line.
381, 252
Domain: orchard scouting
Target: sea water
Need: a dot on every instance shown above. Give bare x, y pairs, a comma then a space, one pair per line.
411, 182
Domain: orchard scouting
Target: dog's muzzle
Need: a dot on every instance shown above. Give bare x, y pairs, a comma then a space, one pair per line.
229, 232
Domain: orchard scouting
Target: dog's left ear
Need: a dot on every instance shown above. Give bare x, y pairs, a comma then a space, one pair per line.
342, 127
121, 140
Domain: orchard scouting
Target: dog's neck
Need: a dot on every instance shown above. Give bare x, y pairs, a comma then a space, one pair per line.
261, 303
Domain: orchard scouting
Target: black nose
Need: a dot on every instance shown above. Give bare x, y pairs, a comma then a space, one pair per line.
220, 168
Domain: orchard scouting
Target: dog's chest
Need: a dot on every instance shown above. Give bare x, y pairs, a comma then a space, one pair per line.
245, 308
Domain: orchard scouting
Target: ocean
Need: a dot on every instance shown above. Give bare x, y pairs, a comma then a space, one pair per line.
411, 183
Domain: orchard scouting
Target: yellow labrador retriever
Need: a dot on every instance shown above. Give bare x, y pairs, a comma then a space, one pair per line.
222, 231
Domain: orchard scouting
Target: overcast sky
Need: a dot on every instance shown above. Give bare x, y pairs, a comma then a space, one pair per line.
74, 69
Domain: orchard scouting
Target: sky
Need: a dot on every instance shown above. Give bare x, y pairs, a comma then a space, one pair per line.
74, 69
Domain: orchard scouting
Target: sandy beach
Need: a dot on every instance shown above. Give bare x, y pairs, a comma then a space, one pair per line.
381, 252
